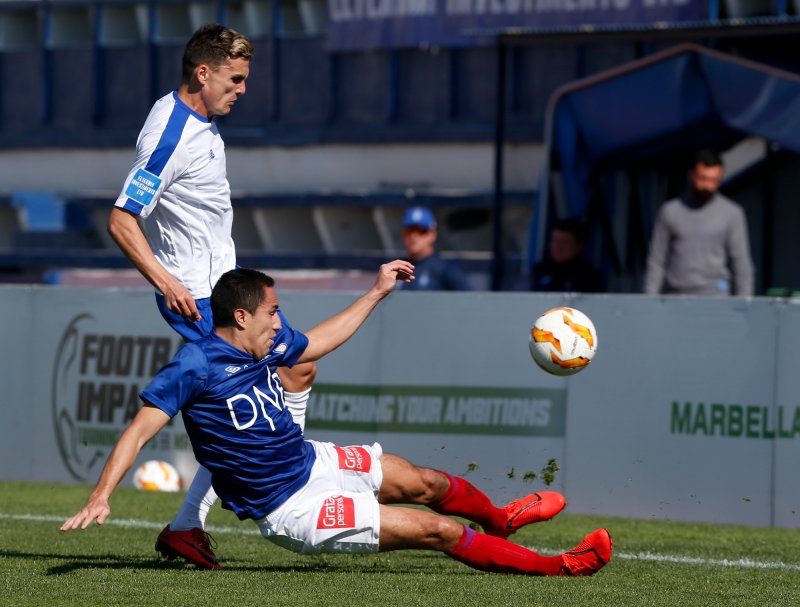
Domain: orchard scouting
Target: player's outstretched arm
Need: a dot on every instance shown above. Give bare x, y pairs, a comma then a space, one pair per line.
144, 426
332, 333
124, 229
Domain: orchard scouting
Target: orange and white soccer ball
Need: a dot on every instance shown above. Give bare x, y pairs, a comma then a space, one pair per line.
156, 475
563, 341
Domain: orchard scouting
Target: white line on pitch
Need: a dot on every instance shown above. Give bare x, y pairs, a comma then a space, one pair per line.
124, 522
630, 556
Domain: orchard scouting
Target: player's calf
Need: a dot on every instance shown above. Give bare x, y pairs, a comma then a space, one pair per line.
497, 555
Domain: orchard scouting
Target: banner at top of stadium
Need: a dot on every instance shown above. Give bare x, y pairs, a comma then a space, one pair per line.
373, 24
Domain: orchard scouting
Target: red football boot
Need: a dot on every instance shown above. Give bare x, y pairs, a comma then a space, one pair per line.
590, 556
533, 508
194, 545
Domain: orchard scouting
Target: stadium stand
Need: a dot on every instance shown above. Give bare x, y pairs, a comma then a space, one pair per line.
66, 57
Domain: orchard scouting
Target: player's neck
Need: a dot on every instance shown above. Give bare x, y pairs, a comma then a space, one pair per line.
193, 99
234, 337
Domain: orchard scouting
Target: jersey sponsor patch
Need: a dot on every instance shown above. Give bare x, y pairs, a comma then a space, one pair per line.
356, 459
143, 187
338, 512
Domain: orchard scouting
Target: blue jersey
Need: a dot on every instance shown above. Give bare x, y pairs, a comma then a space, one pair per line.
236, 419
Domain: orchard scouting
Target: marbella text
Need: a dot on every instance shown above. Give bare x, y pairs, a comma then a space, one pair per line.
736, 421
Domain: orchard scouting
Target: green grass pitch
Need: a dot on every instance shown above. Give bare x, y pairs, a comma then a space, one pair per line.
655, 563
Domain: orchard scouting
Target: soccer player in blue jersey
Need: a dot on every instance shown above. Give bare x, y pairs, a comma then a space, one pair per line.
308, 496
178, 191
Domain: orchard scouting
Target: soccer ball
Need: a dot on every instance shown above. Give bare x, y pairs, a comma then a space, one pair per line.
563, 341
156, 475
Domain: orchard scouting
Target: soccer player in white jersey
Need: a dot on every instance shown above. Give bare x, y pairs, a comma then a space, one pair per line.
178, 192
307, 496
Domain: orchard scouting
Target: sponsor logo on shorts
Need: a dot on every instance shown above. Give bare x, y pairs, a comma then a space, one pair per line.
354, 458
337, 512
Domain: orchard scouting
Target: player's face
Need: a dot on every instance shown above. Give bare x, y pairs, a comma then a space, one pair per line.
418, 242
705, 181
264, 324
223, 85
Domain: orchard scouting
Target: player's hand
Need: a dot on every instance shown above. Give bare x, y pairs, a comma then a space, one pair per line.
180, 301
95, 509
391, 272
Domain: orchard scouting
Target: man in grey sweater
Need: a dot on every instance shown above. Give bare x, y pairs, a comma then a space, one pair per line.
700, 244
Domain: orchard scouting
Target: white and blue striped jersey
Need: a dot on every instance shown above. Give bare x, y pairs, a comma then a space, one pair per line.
235, 415
179, 184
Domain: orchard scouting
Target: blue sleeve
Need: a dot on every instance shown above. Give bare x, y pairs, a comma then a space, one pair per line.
287, 345
178, 381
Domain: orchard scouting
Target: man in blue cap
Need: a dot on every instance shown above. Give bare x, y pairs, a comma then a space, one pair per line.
433, 272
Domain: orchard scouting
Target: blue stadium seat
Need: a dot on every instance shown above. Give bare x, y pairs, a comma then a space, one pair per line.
40, 211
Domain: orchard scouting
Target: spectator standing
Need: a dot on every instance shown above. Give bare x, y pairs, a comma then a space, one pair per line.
700, 244
433, 272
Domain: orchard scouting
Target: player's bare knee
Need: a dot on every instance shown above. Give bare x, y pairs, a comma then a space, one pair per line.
309, 374
413, 485
434, 484
443, 533
299, 378
304, 375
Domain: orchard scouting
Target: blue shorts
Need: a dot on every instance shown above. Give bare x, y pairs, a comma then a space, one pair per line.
185, 327
191, 330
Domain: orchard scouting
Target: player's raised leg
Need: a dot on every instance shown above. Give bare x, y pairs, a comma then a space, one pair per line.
455, 496
405, 528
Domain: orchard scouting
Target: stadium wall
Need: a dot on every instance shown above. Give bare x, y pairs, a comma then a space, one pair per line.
689, 411
302, 169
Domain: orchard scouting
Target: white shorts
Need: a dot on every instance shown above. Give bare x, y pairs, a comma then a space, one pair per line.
337, 510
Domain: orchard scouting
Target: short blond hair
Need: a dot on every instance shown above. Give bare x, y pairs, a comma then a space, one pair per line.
214, 44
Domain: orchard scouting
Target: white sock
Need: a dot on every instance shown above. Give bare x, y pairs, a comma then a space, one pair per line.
297, 402
198, 501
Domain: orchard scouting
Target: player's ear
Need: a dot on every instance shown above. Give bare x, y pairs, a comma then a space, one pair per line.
240, 316
202, 73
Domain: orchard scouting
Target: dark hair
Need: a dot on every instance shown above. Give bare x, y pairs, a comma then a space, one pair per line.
240, 288
214, 44
573, 226
708, 158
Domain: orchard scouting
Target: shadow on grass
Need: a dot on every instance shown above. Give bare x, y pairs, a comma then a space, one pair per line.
73, 562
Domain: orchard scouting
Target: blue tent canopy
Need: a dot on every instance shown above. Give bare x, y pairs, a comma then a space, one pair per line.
653, 111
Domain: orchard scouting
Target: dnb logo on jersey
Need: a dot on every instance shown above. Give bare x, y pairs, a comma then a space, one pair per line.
337, 512
356, 459
96, 381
